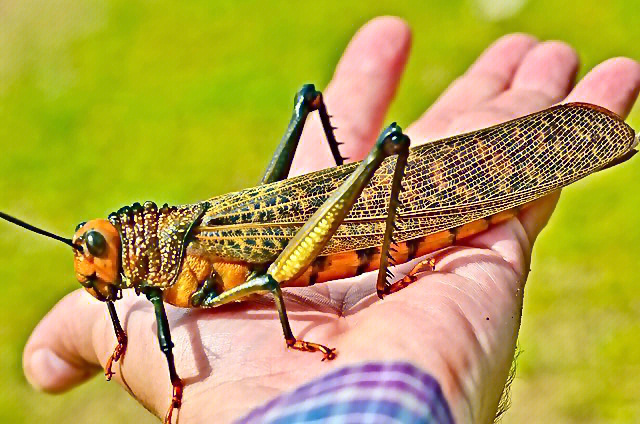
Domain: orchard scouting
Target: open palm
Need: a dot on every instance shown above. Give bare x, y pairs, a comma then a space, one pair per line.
459, 323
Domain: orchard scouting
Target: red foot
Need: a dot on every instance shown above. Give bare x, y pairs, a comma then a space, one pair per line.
327, 352
428, 264
117, 354
176, 400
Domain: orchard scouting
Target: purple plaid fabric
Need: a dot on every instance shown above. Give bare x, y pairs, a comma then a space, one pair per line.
374, 392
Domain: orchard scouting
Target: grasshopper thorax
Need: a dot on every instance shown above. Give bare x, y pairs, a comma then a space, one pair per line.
153, 242
97, 258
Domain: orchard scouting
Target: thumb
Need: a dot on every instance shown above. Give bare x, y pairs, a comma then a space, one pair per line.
60, 353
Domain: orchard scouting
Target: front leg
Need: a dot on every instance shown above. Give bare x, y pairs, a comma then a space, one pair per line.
121, 336
166, 346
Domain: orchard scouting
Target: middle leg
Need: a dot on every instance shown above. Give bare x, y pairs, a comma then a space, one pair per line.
264, 284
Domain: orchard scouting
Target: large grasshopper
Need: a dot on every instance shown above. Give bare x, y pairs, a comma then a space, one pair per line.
338, 222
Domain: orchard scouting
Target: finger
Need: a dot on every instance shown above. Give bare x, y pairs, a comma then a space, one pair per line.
544, 77
59, 354
489, 76
75, 339
613, 84
359, 94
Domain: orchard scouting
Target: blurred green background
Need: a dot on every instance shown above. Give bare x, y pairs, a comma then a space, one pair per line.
103, 103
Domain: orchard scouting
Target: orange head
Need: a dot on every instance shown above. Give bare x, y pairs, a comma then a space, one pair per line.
97, 258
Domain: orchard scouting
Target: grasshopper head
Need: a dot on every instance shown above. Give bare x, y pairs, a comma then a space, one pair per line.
97, 258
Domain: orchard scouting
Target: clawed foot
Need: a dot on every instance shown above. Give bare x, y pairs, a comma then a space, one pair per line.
427, 265
117, 354
328, 353
397, 286
176, 400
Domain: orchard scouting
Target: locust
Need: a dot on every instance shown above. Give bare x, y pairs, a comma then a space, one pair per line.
397, 204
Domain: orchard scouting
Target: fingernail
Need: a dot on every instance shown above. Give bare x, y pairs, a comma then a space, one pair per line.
47, 371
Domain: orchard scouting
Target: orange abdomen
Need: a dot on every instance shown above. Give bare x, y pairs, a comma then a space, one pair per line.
197, 267
352, 263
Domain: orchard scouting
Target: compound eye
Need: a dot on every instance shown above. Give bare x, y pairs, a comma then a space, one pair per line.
95, 242
79, 225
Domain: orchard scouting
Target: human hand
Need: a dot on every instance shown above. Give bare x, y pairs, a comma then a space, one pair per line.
459, 324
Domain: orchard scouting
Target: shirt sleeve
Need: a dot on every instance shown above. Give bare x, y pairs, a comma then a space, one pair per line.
372, 392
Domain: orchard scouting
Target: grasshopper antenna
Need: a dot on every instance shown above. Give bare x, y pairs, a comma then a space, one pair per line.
38, 230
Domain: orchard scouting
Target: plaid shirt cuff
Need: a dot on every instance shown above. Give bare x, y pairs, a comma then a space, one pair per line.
373, 392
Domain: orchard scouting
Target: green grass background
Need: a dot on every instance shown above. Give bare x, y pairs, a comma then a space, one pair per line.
103, 103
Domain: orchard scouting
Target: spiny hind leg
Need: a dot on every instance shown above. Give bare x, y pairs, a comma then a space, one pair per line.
382, 284
306, 100
263, 284
313, 236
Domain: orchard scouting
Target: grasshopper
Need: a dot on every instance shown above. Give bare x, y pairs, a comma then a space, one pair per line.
338, 222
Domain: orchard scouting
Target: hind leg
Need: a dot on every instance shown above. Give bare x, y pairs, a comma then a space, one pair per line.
314, 235
307, 100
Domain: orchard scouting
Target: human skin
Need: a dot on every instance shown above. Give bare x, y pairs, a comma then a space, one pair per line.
459, 323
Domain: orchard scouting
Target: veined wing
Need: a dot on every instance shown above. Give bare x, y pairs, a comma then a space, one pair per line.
448, 183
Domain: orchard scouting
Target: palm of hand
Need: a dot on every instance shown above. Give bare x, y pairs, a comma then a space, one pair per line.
459, 323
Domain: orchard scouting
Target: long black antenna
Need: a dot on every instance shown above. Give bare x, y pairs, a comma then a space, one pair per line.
38, 230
